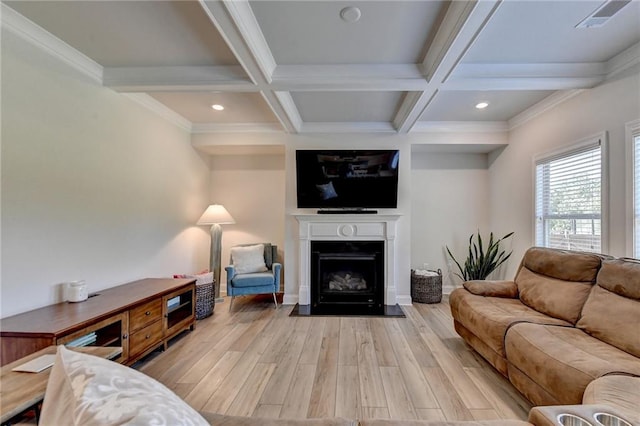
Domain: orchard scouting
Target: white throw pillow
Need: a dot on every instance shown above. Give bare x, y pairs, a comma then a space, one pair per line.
88, 390
248, 259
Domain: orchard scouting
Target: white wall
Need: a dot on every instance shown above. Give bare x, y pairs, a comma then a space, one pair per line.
252, 189
604, 108
94, 186
449, 202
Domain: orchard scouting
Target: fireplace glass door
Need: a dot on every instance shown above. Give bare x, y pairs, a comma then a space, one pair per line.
347, 277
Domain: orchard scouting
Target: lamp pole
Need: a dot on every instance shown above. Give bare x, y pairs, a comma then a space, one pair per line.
216, 215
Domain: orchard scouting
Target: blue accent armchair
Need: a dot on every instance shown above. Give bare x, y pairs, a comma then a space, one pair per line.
255, 282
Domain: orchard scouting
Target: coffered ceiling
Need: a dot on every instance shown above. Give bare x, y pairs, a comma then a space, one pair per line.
297, 67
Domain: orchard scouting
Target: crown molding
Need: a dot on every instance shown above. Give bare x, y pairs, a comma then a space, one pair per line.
37, 36
623, 61
160, 109
236, 128
544, 105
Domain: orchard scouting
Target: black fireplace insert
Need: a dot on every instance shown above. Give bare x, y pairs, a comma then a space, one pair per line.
347, 277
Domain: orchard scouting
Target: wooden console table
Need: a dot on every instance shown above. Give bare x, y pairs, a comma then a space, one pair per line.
138, 317
21, 391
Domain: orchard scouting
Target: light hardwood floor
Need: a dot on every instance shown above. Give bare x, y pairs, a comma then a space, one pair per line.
258, 361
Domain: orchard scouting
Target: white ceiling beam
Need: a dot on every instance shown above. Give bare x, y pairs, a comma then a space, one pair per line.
238, 26
355, 77
558, 76
182, 78
347, 127
461, 25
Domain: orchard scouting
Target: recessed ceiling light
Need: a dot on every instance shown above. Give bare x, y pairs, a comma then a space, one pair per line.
217, 107
350, 14
482, 105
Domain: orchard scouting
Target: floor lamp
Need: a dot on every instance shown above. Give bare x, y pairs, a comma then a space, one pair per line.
216, 215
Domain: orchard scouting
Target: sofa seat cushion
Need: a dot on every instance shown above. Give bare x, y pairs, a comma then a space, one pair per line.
563, 360
621, 393
257, 279
488, 318
612, 311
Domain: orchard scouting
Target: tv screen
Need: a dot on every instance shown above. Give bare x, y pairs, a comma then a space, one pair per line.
354, 179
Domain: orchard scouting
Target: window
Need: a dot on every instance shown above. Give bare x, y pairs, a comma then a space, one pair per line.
569, 198
636, 195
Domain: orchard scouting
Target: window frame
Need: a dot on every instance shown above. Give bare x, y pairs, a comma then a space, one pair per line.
566, 150
632, 130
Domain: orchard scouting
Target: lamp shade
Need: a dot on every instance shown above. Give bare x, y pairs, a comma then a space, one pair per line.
215, 213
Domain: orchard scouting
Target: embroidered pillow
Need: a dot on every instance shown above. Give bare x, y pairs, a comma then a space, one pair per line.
88, 390
248, 259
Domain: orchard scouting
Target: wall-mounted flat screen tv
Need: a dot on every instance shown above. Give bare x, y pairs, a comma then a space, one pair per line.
352, 179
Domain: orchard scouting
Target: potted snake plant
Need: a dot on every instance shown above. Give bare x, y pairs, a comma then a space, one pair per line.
480, 263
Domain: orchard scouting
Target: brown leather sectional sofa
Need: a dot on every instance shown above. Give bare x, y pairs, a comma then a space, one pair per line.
567, 319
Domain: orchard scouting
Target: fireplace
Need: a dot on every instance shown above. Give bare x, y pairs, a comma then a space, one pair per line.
341, 229
347, 277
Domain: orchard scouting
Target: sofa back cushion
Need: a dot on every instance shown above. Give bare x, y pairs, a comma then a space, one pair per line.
612, 311
556, 282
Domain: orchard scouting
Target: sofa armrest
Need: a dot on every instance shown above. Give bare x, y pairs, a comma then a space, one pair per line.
231, 272
276, 274
492, 288
548, 415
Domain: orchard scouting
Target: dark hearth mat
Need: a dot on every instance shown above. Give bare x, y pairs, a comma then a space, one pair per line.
390, 311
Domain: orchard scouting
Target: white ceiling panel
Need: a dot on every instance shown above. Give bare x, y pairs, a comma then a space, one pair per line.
343, 107
544, 32
132, 33
460, 105
238, 107
312, 32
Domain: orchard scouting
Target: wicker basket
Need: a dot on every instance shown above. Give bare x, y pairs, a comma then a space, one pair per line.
204, 300
426, 289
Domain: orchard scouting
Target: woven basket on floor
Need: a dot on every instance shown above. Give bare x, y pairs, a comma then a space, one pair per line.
426, 289
204, 300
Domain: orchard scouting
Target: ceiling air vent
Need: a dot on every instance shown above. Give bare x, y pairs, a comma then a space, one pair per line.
602, 14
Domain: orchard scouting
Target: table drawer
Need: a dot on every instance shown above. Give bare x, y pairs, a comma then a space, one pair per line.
145, 338
145, 314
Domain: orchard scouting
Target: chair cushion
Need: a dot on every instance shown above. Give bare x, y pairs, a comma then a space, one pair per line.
248, 259
253, 280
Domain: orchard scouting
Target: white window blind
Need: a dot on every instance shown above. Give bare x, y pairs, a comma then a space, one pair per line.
636, 196
569, 200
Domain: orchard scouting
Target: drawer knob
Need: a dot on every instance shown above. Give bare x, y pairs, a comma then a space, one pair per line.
124, 336
148, 313
148, 336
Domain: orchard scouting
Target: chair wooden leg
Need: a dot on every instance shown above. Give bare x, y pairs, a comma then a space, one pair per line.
275, 300
231, 302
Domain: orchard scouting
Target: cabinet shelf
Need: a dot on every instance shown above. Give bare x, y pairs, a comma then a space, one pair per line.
174, 308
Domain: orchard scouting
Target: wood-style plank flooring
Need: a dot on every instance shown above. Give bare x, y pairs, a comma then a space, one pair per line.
258, 361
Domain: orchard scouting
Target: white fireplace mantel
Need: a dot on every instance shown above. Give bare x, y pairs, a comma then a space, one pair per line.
346, 227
